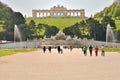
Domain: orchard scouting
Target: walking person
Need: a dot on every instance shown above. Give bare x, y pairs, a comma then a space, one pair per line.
102, 50
61, 49
49, 48
96, 51
44, 49
58, 48
90, 49
71, 48
85, 50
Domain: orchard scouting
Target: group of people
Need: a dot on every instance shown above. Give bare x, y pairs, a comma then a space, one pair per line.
49, 48
84, 49
59, 48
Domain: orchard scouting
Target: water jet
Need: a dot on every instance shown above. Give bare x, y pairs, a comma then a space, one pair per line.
110, 37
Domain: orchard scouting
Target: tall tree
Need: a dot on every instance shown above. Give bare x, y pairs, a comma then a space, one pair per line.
83, 25
5, 12
73, 30
25, 31
51, 31
108, 20
18, 18
68, 31
32, 28
96, 30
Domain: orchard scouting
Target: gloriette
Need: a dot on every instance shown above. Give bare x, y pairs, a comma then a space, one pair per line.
58, 11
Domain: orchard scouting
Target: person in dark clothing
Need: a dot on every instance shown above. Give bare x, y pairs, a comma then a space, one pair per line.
90, 49
71, 48
44, 49
49, 49
58, 48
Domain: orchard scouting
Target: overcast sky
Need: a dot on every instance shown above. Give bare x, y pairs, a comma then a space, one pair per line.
25, 6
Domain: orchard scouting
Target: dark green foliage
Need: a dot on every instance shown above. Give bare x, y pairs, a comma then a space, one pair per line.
68, 31
32, 31
108, 20
118, 35
73, 30
5, 12
51, 31
93, 27
18, 18
96, 30
32, 27
25, 31
2, 35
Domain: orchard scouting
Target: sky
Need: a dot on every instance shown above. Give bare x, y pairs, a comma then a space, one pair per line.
26, 6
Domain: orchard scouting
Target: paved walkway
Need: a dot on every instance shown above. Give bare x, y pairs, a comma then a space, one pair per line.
53, 66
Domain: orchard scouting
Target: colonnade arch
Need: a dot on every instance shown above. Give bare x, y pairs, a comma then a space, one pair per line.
58, 12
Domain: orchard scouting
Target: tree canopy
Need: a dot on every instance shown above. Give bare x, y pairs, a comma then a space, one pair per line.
5, 11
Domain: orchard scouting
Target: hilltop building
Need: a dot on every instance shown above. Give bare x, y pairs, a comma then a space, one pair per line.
58, 11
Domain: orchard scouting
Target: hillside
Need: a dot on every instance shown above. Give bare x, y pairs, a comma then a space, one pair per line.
61, 23
113, 10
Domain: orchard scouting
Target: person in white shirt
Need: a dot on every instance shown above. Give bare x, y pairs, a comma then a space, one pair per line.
61, 49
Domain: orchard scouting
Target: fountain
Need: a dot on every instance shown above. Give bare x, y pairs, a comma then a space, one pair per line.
110, 35
17, 37
17, 34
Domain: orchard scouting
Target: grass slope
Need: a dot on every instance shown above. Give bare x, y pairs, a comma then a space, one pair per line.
61, 23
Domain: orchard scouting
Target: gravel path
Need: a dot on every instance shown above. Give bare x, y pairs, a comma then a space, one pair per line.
53, 66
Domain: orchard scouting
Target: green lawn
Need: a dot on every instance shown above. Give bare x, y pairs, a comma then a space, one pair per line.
111, 50
61, 23
6, 52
